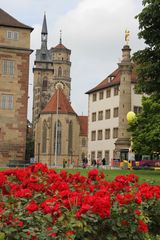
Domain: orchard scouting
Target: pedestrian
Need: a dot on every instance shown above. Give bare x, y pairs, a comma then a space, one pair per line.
85, 162
98, 163
94, 162
103, 163
64, 163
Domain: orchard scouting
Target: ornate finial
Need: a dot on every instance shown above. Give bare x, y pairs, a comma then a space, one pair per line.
127, 34
60, 40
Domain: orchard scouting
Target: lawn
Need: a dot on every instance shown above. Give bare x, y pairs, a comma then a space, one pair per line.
150, 176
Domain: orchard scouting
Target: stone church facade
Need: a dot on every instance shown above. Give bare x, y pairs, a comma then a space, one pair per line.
60, 134
14, 74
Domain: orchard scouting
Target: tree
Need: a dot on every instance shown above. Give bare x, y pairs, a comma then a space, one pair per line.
146, 128
148, 59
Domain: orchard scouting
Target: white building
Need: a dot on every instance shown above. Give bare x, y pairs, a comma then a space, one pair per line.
106, 124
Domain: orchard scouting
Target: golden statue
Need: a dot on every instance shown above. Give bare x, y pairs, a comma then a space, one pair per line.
127, 33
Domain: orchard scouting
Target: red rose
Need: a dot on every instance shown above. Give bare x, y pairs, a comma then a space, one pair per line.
32, 206
142, 227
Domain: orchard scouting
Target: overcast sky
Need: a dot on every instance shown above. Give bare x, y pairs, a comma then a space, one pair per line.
92, 29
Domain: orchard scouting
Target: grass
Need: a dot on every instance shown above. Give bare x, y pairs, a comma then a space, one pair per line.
150, 176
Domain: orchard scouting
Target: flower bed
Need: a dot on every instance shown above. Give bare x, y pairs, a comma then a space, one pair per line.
38, 203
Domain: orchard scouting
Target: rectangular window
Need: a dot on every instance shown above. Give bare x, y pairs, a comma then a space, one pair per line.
99, 155
108, 114
94, 97
93, 155
107, 133
100, 135
12, 35
137, 109
8, 67
3, 102
108, 93
84, 142
115, 112
116, 89
93, 136
94, 117
115, 132
10, 102
107, 157
100, 95
100, 115
7, 102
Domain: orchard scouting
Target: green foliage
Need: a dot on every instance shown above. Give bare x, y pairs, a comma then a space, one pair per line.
2, 236
148, 60
37, 203
146, 127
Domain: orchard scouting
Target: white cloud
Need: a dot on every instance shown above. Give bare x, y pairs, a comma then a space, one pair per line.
92, 29
95, 33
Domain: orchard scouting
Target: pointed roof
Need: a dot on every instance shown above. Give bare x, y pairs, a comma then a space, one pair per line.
9, 21
44, 26
61, 46
112, 80
64, 106
83, 120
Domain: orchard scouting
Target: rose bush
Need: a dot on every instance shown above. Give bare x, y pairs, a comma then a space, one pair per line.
38, 203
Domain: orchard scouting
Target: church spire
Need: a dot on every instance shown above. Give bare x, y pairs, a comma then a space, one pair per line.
60, 39
44, 26
43, 54
44, 31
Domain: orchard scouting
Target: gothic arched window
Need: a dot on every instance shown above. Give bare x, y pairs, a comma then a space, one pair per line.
57, 137
44, 137
44, 84
70, 138
59, 72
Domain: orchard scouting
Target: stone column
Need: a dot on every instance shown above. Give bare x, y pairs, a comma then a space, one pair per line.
122, 144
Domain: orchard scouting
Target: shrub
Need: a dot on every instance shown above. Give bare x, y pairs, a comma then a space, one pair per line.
38, 203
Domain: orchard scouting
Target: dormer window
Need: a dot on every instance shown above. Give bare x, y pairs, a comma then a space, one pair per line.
12, 35
110, 78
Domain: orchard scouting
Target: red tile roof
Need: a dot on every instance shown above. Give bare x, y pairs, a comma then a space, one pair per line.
9, 21
112, 80
64, 105
60, 45
83, 120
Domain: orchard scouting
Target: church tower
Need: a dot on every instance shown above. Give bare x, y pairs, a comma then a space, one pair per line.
123, 142
61, 62
43, 71
51, 69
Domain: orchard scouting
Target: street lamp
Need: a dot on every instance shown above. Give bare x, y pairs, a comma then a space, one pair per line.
131, 116
58, 86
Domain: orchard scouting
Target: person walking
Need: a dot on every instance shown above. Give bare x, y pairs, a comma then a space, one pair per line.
103, 163
98, 163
